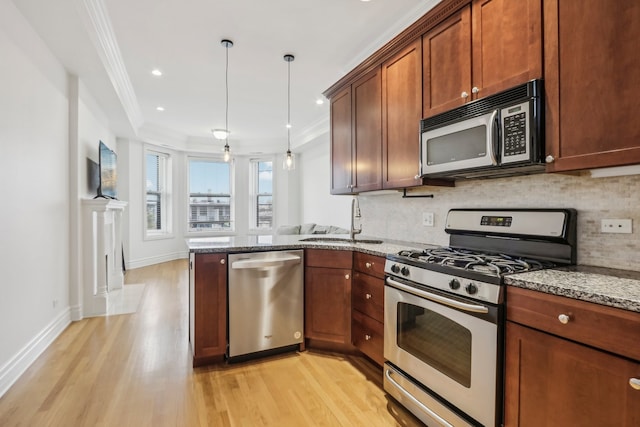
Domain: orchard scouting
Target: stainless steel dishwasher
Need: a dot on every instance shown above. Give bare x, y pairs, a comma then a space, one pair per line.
266, 301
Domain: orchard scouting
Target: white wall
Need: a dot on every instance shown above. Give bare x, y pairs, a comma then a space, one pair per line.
34, 192
317, 204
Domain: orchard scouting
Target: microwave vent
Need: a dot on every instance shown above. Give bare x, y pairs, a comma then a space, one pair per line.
481, 106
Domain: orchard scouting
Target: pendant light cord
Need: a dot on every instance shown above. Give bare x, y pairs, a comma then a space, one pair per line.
226, 103
289, 105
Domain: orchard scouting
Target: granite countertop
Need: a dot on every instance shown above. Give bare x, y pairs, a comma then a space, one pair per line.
605, 286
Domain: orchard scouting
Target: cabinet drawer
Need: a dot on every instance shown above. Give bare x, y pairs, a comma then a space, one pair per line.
611, 329
328, 258
368, 295
367, 335
370, 264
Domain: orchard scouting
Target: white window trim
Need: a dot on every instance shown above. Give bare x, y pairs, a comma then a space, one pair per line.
253, 183
166, 198
232, 201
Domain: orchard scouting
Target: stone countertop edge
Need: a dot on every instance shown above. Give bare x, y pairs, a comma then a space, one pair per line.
600, 285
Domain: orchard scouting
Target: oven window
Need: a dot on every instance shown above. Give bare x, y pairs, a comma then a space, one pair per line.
436, 340
457, 146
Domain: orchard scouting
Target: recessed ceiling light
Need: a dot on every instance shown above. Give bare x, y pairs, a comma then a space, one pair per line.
319, 101
159, 108
156, 72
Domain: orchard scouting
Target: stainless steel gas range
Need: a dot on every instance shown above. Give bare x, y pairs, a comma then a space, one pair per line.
444, 310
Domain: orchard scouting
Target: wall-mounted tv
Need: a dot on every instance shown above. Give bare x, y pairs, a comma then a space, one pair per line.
108, 176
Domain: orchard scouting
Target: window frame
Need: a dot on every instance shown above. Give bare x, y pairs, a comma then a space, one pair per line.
253, 194
165, 195
232, 196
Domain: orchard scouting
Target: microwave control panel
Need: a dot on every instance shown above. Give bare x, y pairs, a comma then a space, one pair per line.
515, 133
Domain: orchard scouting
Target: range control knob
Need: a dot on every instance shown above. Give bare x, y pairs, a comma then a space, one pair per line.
471, 289
405, 271
454, 284
395, 268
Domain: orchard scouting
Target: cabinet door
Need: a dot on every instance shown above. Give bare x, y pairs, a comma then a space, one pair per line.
446, 64
367, 132
210, 306
401, 114
507, 44
554, 382
341, 144
592, 83
327, 295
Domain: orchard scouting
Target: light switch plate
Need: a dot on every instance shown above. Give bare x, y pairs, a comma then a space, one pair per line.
427, 219
621, 226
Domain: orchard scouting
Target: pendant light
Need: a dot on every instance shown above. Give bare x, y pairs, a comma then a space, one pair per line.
288, 162
223, 134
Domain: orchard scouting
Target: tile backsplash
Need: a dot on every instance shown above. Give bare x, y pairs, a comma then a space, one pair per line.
392, 217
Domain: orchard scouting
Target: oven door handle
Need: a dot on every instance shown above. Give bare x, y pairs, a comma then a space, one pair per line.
438, 418
438, 298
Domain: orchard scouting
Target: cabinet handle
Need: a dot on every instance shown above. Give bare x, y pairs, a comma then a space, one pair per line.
367, 296
346, 276
564, 319
367, 337
368, 265
634, 383
475, 90
550, 159
464, 95
416, 177
222, 261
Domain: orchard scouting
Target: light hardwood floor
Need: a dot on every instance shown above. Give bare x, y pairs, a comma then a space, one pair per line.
135, 370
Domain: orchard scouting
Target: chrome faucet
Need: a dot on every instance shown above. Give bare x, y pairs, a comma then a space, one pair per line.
355, 213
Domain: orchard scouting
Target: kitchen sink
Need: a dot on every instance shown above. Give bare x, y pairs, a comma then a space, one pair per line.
340, 240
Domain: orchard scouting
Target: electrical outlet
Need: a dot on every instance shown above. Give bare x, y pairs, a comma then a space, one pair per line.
622, 226
427, 219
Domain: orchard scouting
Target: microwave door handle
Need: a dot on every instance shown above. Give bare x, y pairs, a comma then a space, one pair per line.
493, 137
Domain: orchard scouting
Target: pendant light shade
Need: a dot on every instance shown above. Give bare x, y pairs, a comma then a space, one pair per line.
223, 134
288, 163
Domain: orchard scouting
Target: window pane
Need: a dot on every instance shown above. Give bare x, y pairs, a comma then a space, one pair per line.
265, 178
154, 188
152, 172
265, 212
209, 195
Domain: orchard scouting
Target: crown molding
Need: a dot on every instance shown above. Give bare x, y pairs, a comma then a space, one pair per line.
98, 25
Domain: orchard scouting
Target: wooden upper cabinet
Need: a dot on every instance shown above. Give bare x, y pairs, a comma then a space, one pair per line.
367, 132
507, 44
486, 47
401, 114
341, 144
592, 83
446, 64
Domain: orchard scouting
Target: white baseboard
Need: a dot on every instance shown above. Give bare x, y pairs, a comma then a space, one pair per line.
143, 262
16, 366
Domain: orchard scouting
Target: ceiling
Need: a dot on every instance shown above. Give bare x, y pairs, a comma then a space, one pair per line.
113, 45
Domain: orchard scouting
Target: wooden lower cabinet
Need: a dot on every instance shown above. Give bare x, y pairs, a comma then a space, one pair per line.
208, 307
552, 382
327, 289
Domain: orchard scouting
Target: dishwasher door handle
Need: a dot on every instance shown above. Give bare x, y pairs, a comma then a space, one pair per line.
265, 263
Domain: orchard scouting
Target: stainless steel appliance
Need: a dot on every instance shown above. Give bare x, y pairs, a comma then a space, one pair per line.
266, 301
500, 135
444, 310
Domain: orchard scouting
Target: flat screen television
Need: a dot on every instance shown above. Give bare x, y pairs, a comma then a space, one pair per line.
108, 172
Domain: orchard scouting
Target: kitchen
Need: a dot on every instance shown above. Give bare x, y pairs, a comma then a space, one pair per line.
591, 196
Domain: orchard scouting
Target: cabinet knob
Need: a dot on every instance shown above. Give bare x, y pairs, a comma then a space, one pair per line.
634, 383
346, 276
550, 159
416, 177
564, 319
368, 265
367, 337
367, 296
475, 90
464, 95
222, 261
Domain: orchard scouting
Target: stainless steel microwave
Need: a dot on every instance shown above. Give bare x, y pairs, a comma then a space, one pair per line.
500, 135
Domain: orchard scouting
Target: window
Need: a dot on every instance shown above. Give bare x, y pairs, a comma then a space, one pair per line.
261, 194
210, 198
157, 221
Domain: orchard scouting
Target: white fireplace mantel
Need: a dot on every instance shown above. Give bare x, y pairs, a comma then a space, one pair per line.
101, 254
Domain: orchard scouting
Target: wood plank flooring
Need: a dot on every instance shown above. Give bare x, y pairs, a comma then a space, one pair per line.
135, 370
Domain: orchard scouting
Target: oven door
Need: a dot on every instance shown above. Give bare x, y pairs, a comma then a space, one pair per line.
449, 346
